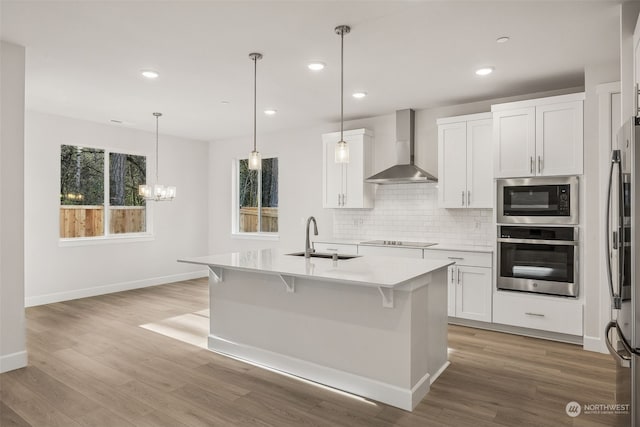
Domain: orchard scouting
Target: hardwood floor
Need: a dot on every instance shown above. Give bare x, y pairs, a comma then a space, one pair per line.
90, 364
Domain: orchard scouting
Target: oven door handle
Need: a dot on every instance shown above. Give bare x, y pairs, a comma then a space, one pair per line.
539, 242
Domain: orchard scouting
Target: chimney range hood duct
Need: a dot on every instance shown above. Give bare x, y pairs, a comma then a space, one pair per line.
405, 171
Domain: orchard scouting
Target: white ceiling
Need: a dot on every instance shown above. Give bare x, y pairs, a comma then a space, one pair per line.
84, 57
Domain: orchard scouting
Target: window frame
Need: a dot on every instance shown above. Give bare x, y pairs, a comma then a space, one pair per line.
108, 238
235, 208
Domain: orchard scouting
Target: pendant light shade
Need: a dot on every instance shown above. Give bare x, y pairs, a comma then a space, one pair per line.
255, 159
342, 148
157, 192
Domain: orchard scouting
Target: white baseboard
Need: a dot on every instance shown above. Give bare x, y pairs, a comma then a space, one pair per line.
595, 344
108, 289
390, 394
516, 330
9, 362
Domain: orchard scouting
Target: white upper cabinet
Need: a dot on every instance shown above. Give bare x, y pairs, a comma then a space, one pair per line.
464, 161
343, 185
514, 139
538, 137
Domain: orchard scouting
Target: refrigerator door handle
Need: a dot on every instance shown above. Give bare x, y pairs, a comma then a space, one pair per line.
623, 359
615, 297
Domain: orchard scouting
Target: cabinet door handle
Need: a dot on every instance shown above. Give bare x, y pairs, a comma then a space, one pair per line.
531, 164
452, 274
539, 164
534, 314
459, 277
462, 204
468, 197
344, 199
338, 199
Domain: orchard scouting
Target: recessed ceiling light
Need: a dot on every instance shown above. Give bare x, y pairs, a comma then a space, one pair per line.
270, 111
484, 71
502, 39
359, 95
316, 66
150, 74
224, 102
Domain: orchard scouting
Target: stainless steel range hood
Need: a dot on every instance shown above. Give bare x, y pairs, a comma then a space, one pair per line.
405, 171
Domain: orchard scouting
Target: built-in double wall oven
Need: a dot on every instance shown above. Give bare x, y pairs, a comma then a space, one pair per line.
538, 235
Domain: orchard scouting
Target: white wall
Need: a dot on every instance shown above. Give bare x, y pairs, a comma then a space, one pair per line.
299, 153
628, 18
56, 273
13, 353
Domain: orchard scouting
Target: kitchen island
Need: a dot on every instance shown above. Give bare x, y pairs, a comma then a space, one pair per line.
372, 326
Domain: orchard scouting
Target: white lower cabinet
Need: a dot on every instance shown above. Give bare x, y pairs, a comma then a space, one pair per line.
390, 251
473, 293
552, 314
338, 248
469, 283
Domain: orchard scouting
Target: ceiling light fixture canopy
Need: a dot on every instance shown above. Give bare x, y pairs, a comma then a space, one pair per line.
342, 149
157, 192
255, 159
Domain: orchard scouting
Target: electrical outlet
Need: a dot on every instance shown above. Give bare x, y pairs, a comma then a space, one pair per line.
478, 225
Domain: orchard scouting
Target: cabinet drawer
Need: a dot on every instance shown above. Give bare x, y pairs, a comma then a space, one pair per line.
536, 312
475, 259
386, 251
340, 248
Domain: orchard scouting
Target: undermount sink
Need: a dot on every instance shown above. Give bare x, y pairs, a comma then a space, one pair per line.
324, 255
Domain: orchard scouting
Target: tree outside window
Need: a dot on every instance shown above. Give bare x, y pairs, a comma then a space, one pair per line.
258, 197
95, 182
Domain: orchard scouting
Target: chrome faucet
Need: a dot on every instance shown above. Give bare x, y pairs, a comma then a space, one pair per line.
308, 250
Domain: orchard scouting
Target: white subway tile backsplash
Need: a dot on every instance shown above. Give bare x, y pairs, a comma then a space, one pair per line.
410, 212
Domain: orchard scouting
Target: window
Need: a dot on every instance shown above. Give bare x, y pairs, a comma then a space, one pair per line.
257, 196
99, 193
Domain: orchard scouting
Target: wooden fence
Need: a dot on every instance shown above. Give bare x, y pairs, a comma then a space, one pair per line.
249, 219
88, 221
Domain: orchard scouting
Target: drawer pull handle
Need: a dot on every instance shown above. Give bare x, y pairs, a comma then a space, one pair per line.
455, 257
332, 249
534, 314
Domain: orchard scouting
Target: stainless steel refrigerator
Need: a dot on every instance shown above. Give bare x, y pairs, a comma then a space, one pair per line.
623, 234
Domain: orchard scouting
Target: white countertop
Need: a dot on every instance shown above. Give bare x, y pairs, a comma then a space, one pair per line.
458, 247
437, 246
379, 271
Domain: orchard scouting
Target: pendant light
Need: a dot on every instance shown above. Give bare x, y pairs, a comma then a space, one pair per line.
157, 192
255, 159
342, 149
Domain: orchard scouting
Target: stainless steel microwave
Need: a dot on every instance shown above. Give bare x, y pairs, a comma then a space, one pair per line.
538, 200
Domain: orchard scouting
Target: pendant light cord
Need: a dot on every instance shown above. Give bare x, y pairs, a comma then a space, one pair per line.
341, 85
342, 30
255, 96
157, 116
